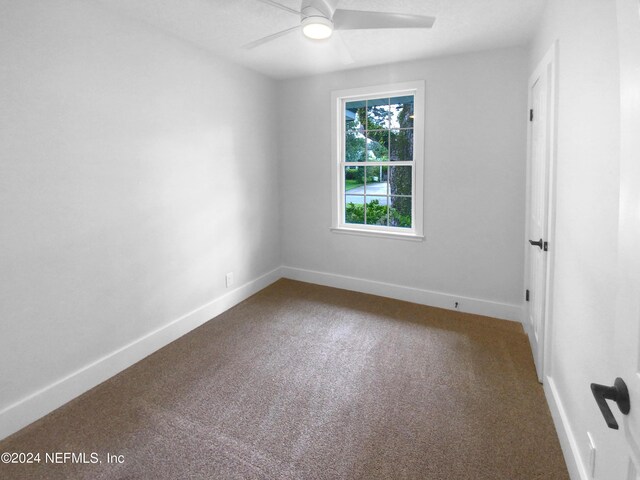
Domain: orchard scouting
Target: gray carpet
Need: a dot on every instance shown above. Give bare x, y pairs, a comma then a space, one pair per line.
309, 382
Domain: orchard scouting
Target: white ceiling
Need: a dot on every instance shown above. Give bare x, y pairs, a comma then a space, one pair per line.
223, 26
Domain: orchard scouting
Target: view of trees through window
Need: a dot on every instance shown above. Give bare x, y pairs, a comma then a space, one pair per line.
378, 161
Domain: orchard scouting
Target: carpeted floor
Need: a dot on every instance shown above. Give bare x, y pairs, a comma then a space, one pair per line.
309, 382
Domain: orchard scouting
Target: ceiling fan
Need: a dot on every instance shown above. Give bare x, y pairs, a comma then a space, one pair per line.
319, 19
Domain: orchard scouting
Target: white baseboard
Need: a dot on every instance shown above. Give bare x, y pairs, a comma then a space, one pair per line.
568, 442
31, 408
488, 308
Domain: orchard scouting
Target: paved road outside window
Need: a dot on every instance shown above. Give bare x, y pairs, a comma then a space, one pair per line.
355, 195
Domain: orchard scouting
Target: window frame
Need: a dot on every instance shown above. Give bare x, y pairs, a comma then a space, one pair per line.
339, 98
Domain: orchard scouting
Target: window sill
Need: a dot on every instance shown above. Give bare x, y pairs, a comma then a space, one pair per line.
370, 233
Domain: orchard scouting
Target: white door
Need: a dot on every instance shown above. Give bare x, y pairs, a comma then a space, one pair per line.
541, 105
623, 460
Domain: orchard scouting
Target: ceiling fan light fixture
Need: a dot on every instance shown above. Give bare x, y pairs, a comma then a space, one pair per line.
317, 28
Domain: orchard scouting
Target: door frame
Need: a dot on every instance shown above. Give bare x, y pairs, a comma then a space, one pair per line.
548, 66
627, 308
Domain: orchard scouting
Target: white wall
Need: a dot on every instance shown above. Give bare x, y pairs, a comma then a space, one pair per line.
135, 171
587, 213
474, 176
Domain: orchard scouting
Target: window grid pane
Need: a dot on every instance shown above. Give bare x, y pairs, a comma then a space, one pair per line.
401, 145
376, 210
354, 209
401, 112
378, 114
401, 212
401, 180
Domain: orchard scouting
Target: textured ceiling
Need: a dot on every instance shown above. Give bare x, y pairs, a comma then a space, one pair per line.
223, 26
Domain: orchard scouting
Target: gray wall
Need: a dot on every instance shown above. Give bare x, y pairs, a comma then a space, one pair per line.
135, 171
474, 178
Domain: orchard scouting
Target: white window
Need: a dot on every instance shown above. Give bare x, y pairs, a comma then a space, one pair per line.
378, 143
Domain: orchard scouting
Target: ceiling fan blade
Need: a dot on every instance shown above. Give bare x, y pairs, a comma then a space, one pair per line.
280, 6
268, 38
358, 19
343, 51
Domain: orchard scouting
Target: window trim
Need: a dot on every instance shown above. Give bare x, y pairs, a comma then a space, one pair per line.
338, 100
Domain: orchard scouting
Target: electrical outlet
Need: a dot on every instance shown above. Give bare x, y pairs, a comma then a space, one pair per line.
228, 278
592, 456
